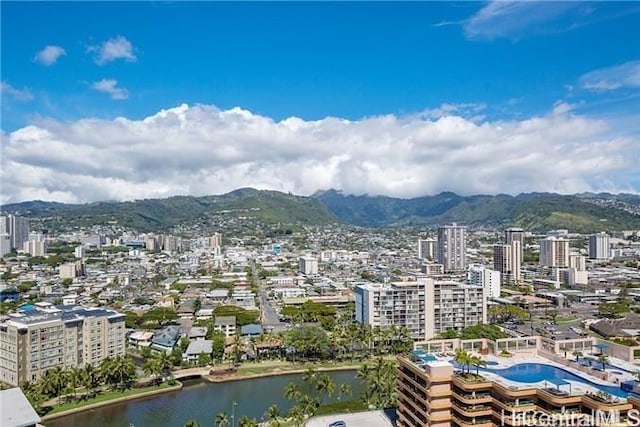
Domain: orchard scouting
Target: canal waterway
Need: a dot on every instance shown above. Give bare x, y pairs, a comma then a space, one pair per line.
202, 401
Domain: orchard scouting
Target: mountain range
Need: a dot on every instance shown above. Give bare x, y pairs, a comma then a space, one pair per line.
586, 212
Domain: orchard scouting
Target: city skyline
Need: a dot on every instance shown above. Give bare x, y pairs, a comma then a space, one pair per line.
404, 100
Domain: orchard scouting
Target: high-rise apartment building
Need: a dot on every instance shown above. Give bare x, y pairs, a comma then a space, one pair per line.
451, 247
393, 304
5, 244
308, 265
427, 249
479, 275
554, 252
507, 260
515, 235
599, 246
17, 228
424, 306
455, 306
34, 341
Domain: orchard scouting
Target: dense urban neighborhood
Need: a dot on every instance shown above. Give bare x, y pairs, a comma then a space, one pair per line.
90, 312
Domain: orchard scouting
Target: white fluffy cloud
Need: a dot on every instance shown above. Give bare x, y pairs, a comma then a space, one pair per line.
115, 48
110, 86
203, 150
22, 95
49, 55
611, 78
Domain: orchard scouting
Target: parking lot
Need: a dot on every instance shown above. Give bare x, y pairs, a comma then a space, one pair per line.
360, 419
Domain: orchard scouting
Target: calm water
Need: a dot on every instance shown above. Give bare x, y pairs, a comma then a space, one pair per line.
201, 401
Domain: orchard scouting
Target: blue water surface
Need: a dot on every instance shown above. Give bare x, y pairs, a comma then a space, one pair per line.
536, 372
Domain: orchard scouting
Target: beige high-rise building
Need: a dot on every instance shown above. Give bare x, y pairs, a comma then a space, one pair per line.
515, 235
507, 260
554, 252
424, 306
34, 341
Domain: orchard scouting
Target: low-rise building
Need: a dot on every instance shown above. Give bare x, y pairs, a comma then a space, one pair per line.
226, 325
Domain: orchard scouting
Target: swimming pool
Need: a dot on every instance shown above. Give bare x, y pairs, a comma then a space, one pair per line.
536, 372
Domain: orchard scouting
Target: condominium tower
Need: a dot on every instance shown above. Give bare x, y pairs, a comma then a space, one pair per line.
554, 252
17, 228
599, 246
424, 306
451, 247
508, 261
427, 249
36, 340
515, 235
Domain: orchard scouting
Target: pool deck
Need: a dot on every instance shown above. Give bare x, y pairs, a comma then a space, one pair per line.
577, 387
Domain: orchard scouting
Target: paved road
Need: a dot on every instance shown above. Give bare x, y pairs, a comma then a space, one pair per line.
360, 419
268, 314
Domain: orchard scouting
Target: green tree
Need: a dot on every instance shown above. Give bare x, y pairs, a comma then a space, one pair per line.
204, 359
273, 415
222, 419
160, 316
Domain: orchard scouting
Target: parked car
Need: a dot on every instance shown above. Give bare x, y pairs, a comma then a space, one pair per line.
338, 423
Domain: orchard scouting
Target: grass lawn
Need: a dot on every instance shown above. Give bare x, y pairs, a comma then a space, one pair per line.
254, 369
566, 320
109, 395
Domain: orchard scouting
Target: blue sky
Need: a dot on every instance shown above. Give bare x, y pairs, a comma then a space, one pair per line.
485, 63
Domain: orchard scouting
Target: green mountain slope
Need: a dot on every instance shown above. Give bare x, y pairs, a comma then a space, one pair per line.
162, 214
584, 213
534, 211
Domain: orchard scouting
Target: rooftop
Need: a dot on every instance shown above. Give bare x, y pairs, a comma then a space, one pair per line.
16, 409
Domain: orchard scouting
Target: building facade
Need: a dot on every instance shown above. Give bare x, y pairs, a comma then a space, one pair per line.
308, 265
427, 249
430, 393
453, 305
479, 275
34, 341
599, 247
17, 228
515, 235
554, 252
424, 306
507, 259
393, 304
452, 247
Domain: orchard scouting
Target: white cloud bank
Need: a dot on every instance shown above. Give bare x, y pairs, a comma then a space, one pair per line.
49, 55
110, 87
201, 150
114, 48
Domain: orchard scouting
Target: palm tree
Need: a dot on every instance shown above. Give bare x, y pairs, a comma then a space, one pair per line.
325, 385
345, 389
297, 415
245, 421
309, 376
164, 363
91, 378
152, 368
309, 405
478, 361
54, 381
577, 354
192, 423
75, 378
463, 358
603, 359
273, 415
222, 419
291, 392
